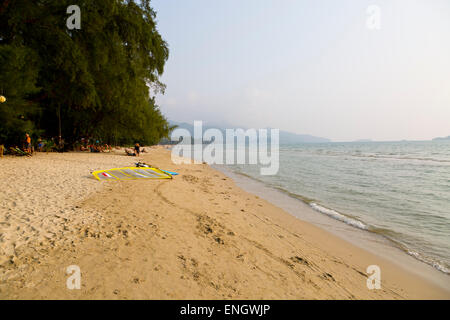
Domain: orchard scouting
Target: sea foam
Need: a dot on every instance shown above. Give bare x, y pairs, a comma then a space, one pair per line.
338, 216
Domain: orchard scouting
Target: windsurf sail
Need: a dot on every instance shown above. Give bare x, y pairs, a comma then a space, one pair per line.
140, 164
130, 173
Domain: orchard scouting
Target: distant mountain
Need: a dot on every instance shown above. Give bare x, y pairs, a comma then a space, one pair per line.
292, 138
363, 140
440, 139
285, 137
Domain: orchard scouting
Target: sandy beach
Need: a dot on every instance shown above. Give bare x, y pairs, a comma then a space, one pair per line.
197, 236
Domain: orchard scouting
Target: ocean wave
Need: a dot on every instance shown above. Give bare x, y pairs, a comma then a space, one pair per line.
394, 238
434, 264
338, 216
388, 234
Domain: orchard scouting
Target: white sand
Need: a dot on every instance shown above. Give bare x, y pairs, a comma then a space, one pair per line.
197, 236
40, 195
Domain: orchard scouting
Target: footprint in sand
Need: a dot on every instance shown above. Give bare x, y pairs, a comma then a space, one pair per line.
190, 178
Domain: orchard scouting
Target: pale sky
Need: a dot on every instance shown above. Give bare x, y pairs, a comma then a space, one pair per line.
311, 67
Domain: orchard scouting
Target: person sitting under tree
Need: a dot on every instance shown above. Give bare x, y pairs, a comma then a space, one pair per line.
137, 149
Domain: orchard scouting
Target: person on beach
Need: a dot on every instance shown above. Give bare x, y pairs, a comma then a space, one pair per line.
40, 145
28, 139
137, 149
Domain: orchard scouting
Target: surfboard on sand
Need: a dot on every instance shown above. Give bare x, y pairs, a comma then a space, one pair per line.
170, 172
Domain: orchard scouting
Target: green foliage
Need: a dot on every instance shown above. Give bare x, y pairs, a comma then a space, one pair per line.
17, 78
97, 79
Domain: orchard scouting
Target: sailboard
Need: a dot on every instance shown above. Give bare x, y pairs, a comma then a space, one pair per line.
129, 173
171, 173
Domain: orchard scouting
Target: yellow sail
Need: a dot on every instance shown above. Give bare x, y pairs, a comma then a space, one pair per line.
129, 173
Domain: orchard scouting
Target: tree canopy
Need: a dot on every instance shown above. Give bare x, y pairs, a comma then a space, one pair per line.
94, 81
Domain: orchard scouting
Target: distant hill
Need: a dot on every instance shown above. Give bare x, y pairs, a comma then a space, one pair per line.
285, 136
443, 138
292, 138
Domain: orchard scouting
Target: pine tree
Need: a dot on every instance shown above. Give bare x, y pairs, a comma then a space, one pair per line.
89, 82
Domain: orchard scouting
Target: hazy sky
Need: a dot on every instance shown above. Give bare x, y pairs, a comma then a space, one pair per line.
310, 66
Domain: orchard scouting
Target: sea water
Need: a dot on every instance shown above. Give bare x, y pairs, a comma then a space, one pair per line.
400, 190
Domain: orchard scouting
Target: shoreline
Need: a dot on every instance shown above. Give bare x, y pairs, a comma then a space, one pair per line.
363, 238
198, 236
